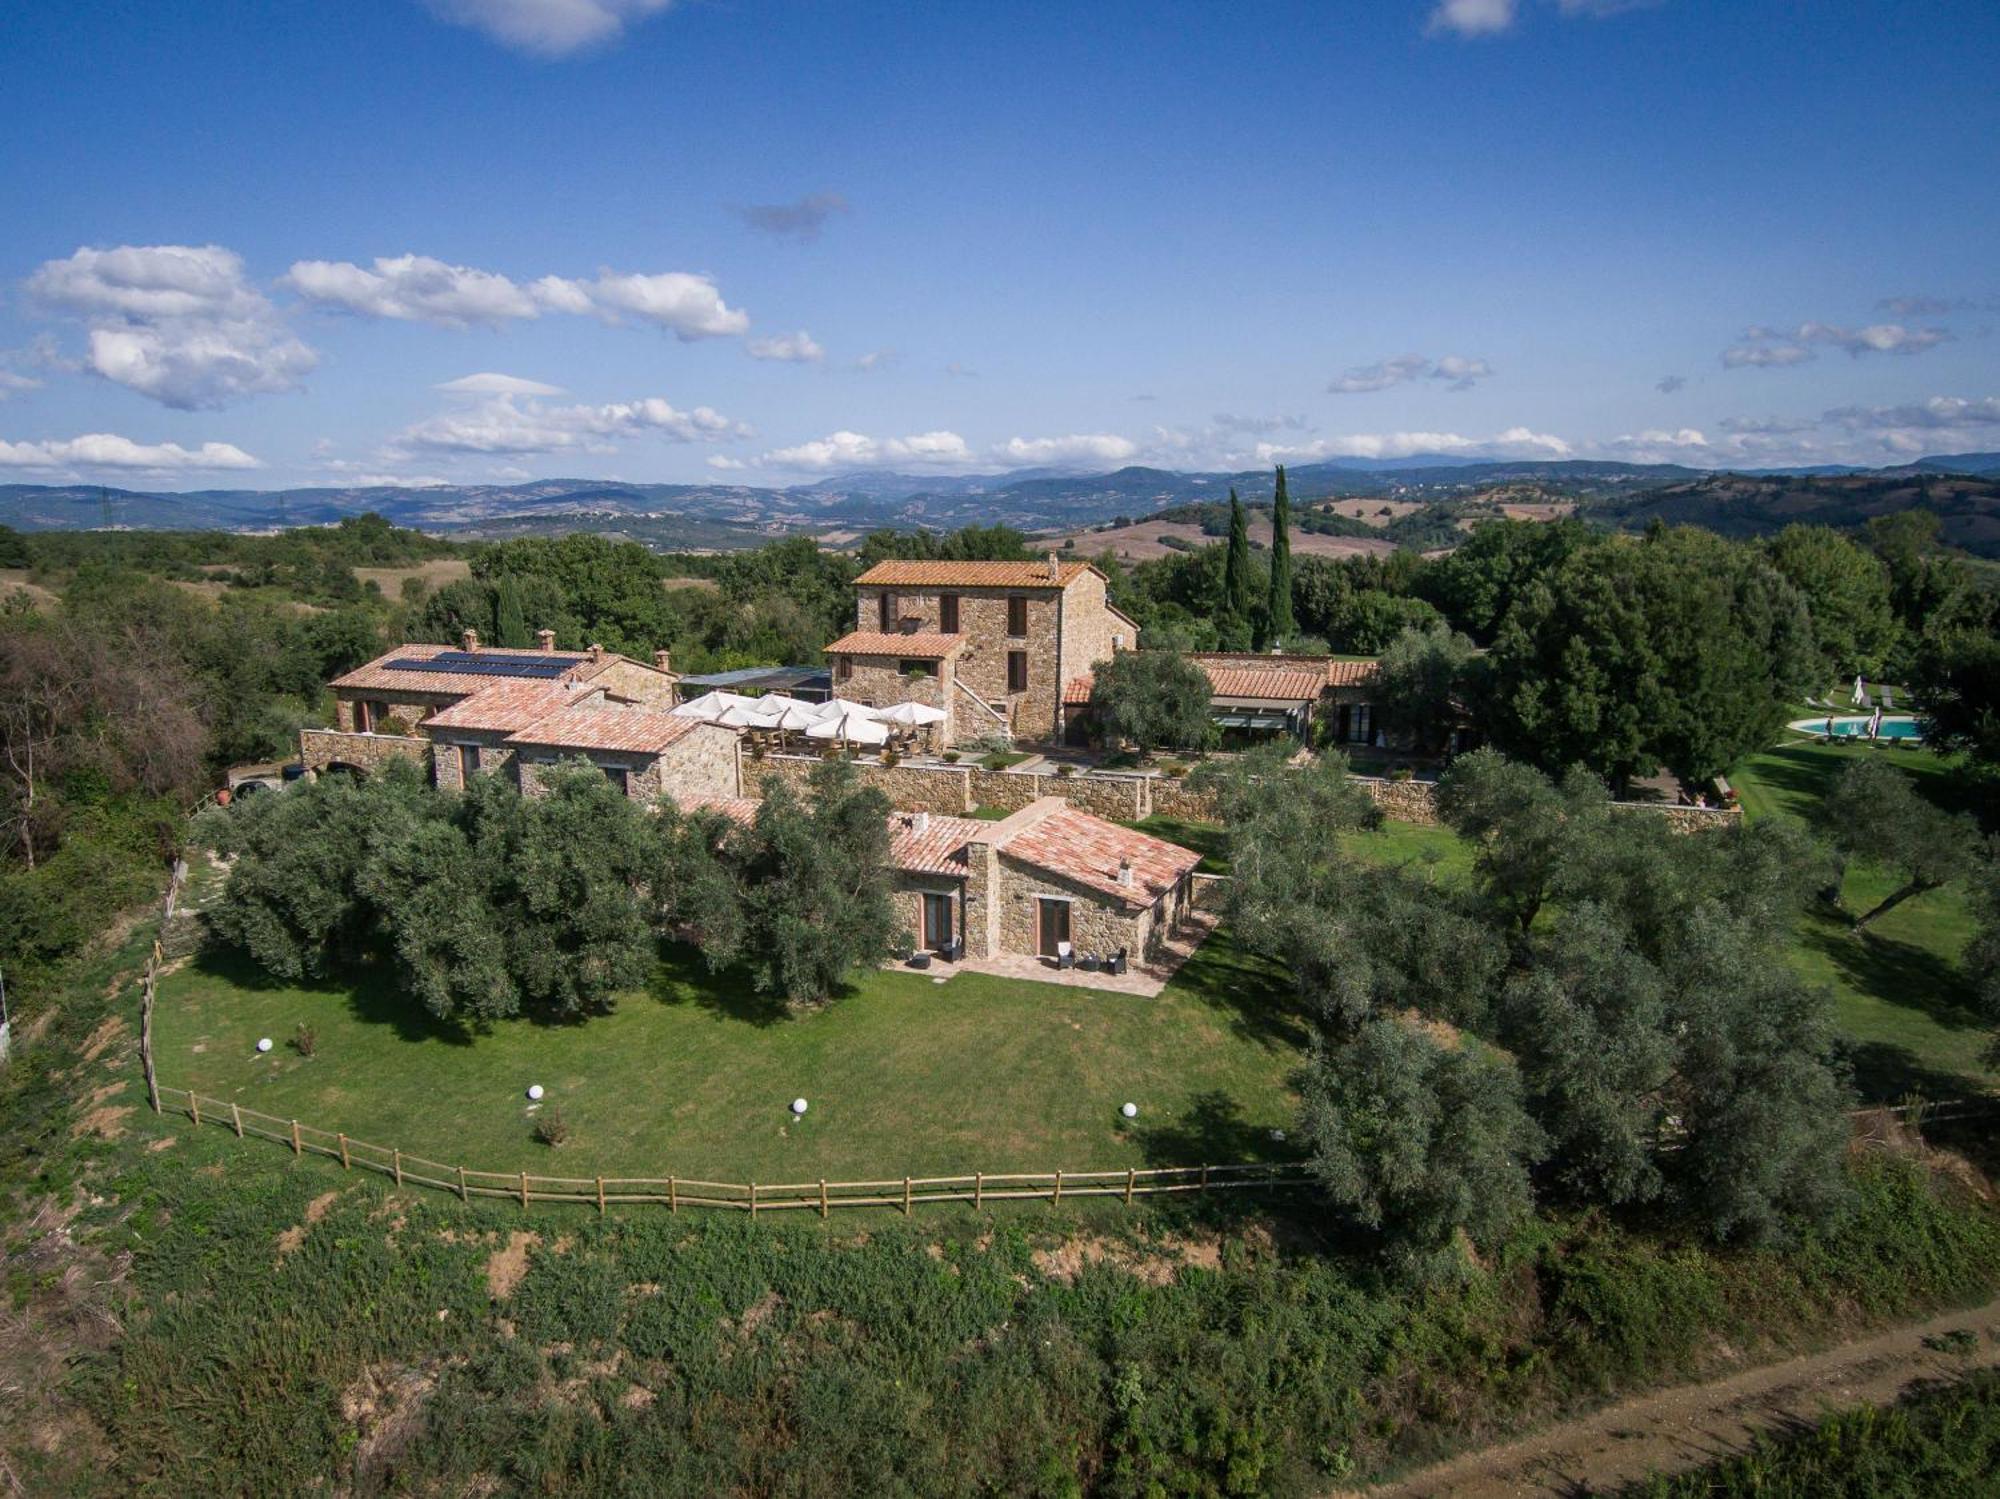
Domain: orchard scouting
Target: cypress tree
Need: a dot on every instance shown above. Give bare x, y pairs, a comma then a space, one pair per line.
1280, 625
1236, 563
511, 626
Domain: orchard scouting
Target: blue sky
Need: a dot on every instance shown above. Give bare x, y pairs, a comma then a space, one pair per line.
253, 245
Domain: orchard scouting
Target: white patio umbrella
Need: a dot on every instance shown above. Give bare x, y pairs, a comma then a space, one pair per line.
840, 707
744, 716
912, 715
795, 718
850, 730
711, 705
777, 702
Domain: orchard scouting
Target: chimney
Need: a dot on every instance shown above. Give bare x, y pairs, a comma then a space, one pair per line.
1125, 872
920, 822
545, 640
664, 660
1055, 568
469, 641
596, 651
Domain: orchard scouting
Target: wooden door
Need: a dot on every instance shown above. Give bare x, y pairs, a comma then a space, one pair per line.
937, 922
1054, 925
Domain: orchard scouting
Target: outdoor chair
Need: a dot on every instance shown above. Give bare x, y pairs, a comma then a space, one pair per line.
1888, 701
1115, 964
1088, 962
1065, 955
919, 960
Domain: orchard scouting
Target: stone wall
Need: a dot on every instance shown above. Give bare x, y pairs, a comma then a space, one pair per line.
1685, 819
910, 788
319, 748
1096, 924
495, 755
408, 709
1172, 796
703, 763
642, 773
1404, 801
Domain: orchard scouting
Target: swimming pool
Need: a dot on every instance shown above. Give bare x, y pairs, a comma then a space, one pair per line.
1894, 726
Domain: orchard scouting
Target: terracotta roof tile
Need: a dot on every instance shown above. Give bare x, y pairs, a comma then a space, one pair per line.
607, 727
1279, 683
920, 647
938, 849
1079, 689
973, 574
1352, 673
1079, 846
509, 705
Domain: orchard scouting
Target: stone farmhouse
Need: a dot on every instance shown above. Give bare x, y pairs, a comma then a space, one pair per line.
990, 644
481, 709
1048, 881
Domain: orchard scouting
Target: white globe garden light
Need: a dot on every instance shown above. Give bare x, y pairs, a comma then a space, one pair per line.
798, 1105
1130, 1111
264, 1043
535, 1090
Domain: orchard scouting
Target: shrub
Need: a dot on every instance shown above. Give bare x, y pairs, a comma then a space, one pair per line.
1065, 770
551, 1128
305, 1040
950, 757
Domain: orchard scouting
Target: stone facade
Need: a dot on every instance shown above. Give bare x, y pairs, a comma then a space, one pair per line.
320, 748
1068, 628
387, 710
880, 682
704, 763
448, 754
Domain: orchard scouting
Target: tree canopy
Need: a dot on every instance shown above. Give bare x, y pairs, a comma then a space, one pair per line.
1154, 699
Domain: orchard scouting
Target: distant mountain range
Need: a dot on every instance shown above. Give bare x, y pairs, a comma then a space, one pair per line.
734, 515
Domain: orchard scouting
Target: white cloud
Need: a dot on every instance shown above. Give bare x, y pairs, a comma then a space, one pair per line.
851, 450
398, 481
1081, 447
1256, 426
790, 348
725, 462
506, 424
876, 359
1514, 442
178, 323
12, 384
1766, 426
1655, 444
1456, 370
1775, 347
801, 221
418, 288
547, 28
412, 288
1472, 17
685, 305
489, 384
1936, 413
107, 450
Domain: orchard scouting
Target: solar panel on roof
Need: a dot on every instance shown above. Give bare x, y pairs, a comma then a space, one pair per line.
460, 663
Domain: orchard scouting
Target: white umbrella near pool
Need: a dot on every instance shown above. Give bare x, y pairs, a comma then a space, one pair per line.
912, 715
850, 730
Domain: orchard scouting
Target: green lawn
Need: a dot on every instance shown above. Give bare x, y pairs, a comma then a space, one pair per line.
694, 1077
1902, 998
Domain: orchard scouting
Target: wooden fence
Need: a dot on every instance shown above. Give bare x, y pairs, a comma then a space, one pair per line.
677, 1192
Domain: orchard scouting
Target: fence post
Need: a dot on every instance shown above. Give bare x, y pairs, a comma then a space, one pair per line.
906, 1197
194, 1105
822, 1197
1204, 1176
344, 1166
463, 1195
396, 1163
524, 1191
298, 1145
236, 1118
753, 1199
1058, 1196
600, 1197
1131, 1176
978, 1189
673, 1194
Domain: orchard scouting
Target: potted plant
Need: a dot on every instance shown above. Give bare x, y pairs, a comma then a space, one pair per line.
1065, 770
950, 757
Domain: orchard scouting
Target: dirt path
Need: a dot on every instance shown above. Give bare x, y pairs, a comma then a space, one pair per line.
1695, 1424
